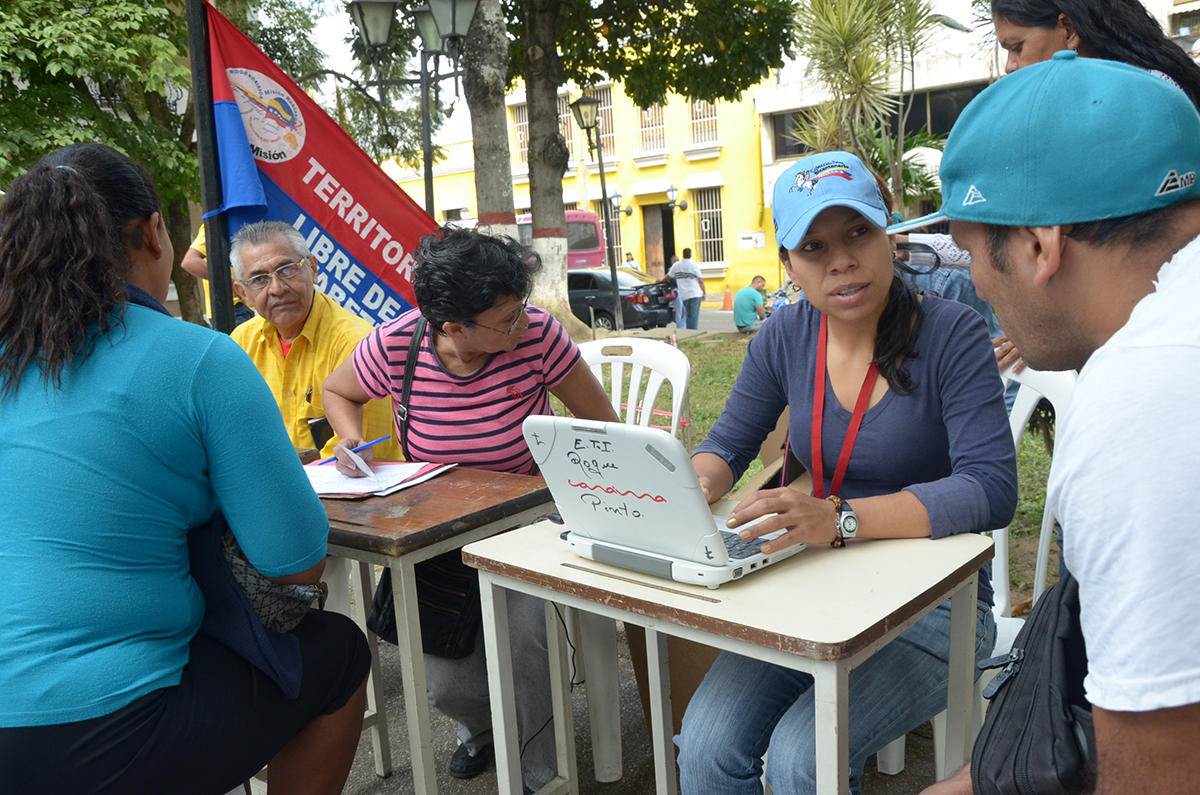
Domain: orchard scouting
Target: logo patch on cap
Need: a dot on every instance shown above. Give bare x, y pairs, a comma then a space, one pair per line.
973, 197
1175, 181
807, 180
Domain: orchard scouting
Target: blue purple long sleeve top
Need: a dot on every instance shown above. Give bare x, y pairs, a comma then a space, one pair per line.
947, 442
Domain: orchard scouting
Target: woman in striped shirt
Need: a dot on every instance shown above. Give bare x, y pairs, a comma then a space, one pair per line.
487, 360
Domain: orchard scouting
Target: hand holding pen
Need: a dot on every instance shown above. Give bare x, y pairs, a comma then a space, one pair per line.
352, 456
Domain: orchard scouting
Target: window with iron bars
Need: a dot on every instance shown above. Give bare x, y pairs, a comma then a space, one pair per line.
703, 122
519, 121
568, 206
612, 230
706, 216
566, 126
652, 133
604, 121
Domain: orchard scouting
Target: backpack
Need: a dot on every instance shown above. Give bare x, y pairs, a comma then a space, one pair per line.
1038, 737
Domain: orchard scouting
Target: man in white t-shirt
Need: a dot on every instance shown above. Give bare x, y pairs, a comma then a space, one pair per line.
1073, 185
690, 285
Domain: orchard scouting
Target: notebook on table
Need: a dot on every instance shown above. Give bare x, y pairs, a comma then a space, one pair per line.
632, 499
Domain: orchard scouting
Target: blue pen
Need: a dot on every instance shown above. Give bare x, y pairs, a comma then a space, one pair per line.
360, 448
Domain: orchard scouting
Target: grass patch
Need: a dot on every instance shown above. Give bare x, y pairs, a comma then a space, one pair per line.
1033, 468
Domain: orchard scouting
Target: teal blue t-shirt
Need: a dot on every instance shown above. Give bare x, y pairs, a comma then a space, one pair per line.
743, 306
161, 424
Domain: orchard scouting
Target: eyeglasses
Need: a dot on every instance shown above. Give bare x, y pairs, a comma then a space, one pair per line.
511, 328
286, 272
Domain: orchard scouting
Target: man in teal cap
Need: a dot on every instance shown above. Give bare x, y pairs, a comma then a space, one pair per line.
1072, 183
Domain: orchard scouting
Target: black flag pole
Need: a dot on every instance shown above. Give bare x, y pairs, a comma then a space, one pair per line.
217, 230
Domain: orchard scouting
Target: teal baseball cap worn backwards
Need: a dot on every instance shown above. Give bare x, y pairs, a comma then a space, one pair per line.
1071, 140
818, 182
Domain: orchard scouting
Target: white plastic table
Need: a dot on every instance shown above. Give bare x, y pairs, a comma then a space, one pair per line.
844, 605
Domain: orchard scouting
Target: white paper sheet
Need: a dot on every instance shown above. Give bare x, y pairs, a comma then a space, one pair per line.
386, 478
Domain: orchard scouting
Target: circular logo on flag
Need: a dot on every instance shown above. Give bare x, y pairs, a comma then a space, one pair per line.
273, 121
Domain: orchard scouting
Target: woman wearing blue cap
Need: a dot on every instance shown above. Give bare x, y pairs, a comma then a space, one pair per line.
902, 400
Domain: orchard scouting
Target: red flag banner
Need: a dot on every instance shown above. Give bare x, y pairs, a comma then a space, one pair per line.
282, 158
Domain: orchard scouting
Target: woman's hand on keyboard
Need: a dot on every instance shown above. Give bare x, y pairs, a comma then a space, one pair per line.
806, 518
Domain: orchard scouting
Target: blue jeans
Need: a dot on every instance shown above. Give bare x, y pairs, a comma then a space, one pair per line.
744, 706
691, 313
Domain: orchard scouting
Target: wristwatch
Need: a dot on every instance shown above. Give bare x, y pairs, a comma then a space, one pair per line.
847, 521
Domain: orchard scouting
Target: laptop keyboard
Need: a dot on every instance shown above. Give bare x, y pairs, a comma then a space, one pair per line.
738, 548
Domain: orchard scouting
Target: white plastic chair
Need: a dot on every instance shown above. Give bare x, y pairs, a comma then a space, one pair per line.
1056, 387
649, 365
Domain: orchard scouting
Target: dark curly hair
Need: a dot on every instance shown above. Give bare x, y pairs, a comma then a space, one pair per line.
65, 227
1116, 30
461, 273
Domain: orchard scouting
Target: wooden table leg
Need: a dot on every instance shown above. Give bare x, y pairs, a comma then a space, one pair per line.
412, 667
661, 715
832, 697
500, 685
961, 687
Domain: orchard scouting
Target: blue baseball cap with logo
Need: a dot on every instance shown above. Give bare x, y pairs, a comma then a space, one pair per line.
818, 182
1071, 140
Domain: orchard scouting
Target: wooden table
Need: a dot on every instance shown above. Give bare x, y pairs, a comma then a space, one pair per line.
844, 605
401, 530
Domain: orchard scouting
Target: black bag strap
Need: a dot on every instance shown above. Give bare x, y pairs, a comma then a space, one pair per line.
410, 365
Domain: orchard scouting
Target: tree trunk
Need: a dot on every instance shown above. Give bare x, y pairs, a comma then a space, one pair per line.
187, 286
547, 159
485, 72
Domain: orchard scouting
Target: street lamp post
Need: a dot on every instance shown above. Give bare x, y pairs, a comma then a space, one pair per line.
374, 19
431, 47
442, 26
587, 116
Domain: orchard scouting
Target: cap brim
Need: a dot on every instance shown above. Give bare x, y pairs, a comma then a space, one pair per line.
793, 236
916, 223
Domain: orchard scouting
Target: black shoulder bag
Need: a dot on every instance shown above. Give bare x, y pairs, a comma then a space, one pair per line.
1038, 737
447, 589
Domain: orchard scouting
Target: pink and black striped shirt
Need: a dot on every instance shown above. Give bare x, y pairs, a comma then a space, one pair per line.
473, 420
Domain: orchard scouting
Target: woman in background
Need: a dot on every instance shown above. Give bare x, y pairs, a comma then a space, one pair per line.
1031, 31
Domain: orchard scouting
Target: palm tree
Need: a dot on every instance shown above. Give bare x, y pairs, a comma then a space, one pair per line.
862, 52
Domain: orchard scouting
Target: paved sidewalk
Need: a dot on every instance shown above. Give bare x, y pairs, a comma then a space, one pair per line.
638, 776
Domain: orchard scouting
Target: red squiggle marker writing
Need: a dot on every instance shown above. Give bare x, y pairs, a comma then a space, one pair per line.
613, 490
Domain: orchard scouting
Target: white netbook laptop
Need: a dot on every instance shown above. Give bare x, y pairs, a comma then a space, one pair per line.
630, 497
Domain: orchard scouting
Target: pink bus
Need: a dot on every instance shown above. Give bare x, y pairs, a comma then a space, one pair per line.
585, 241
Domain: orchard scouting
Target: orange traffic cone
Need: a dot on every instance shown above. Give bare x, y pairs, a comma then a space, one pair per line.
728, 299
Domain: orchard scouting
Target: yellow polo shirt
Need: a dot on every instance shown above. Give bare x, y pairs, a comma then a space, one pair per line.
201, 245
328, 339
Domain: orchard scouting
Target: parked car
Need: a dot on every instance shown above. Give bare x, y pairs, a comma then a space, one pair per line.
642, 303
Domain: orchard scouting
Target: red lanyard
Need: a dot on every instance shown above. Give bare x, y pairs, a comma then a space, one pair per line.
860, 409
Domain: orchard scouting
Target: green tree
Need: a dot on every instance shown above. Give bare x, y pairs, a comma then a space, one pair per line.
118, 73
705, 49
863, 52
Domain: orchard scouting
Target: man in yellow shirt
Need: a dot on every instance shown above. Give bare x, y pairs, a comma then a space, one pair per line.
300, 335
195, 262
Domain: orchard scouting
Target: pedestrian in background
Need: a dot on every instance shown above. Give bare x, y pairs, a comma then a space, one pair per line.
691, 290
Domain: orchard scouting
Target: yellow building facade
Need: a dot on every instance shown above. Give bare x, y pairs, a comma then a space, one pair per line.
710, 153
